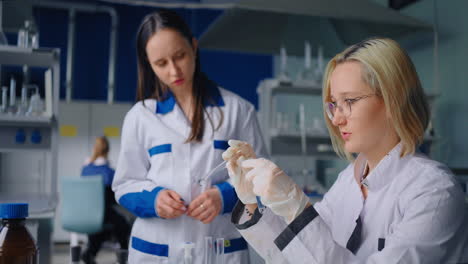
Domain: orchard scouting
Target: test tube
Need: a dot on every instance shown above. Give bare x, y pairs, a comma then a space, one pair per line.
208, 250
12, 108
4, 107
23, 107
220, 251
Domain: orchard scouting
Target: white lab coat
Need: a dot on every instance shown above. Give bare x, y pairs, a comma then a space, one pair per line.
154, 156
414, 213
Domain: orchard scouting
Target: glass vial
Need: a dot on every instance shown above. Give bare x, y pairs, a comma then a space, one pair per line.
4, 107
28, 36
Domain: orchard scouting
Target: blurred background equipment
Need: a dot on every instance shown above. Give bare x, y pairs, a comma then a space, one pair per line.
264, 26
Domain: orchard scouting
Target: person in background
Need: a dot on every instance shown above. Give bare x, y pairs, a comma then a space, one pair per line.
98, 164
392, 204
171, 138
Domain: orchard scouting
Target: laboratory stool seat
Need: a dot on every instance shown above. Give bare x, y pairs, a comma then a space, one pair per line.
82, 208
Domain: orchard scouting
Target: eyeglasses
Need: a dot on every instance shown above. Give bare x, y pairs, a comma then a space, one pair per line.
331, 107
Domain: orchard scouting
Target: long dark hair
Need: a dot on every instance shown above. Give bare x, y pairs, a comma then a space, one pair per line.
149, 85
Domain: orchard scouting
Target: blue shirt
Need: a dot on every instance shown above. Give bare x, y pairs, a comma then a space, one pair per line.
105, 170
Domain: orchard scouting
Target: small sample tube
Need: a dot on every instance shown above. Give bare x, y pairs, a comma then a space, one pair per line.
208, 250
220, 251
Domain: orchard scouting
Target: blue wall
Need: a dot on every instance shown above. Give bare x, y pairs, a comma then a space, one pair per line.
240, 73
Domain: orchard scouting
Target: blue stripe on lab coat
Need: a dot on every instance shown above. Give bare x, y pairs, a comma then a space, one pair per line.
228, 195
235, 245
220, 144
142, 203
160, 149
150, 248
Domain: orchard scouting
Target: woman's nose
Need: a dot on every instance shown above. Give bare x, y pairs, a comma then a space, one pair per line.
174, 69
338, 118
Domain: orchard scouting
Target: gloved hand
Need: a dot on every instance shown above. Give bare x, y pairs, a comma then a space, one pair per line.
276, 189
235, 155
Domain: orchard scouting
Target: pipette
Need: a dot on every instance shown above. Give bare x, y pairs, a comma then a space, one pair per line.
215, 171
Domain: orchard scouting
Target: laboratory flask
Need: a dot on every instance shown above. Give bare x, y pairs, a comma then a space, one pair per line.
17, 246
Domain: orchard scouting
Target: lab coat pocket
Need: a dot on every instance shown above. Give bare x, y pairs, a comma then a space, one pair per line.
161, 157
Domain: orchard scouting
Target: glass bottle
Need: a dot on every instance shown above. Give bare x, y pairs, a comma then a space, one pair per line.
28, 36
16, 243
4, 107
12, 108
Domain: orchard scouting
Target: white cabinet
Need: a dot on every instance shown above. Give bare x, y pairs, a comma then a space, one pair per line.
28, 146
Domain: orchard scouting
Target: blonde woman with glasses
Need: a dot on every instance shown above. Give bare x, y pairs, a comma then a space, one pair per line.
392, 204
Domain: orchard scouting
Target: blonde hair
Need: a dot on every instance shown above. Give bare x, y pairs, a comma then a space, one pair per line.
101, 148
389, 71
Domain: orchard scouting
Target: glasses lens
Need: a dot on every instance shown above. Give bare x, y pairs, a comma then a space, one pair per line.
330, 109
347, 110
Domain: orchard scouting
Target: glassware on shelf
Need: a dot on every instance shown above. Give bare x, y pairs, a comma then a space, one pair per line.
4, 107
318, 128
28, 36
36, 106
283, 75
12, 108
23, 106
307, 76
320, 65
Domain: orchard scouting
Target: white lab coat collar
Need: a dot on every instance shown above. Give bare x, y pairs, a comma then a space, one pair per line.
383, 173
98, 162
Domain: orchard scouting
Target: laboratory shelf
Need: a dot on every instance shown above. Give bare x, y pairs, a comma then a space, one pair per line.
29, 145
23, 120
317, 146
39, 205
302, 90
290, 143
42, 57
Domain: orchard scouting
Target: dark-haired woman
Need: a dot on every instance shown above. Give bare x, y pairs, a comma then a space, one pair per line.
172, 137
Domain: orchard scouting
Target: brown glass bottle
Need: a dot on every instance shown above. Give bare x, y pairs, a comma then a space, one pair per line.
17, 246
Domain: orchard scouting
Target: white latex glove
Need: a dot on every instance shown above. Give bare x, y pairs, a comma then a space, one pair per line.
276, 189
235, 155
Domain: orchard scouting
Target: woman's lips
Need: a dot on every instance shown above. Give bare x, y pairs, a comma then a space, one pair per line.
345, 135
178, 82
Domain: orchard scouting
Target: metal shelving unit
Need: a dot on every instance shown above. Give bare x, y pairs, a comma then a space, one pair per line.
34, 138
281, 143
